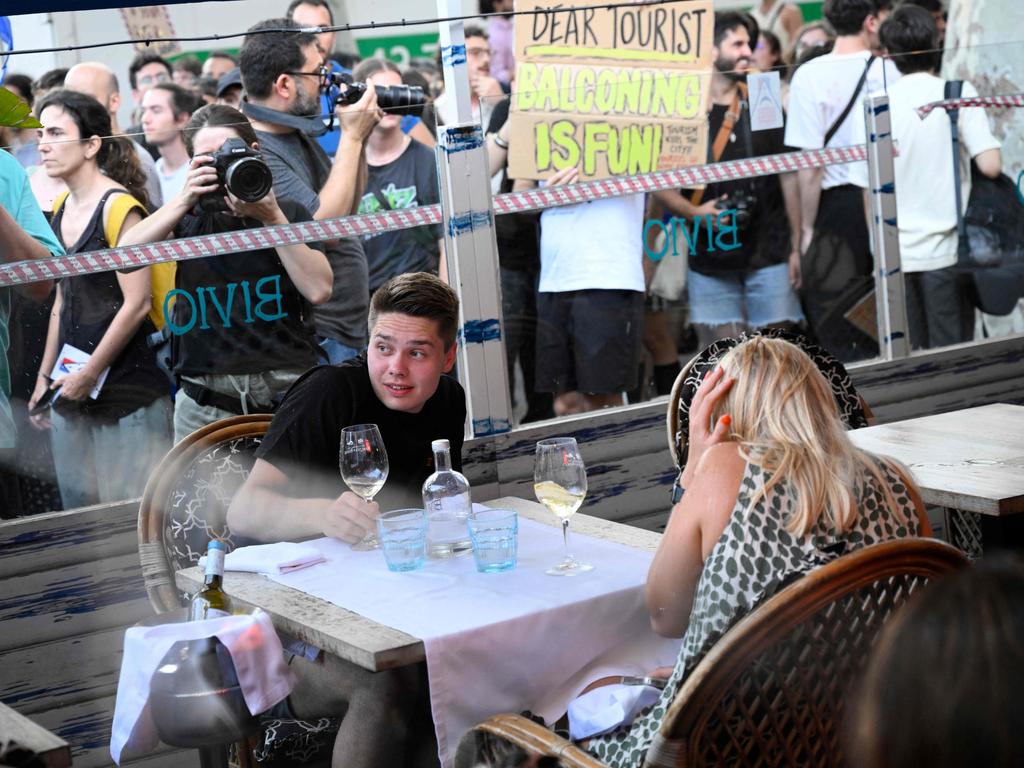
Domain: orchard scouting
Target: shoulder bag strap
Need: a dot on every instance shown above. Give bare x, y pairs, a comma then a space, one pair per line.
953, 90
721, 139
849, 105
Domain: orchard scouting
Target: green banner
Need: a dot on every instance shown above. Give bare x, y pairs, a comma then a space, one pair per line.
399, 48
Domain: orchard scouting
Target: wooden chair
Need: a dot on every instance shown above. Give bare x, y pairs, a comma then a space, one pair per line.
772, 690
184, 505
853, 409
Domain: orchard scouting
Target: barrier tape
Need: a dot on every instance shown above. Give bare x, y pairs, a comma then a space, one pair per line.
1009, 100
135, 256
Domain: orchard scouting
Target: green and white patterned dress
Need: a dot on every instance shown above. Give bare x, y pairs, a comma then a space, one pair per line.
754, 555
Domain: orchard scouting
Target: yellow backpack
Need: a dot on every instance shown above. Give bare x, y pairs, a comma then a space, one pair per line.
162, 275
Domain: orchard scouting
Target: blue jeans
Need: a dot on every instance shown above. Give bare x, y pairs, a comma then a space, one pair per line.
100, 462
338, 352
756, 298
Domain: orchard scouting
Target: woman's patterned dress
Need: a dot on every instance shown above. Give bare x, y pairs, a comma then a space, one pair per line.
753, 557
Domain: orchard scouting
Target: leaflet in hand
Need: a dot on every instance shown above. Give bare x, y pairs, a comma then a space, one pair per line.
71, 360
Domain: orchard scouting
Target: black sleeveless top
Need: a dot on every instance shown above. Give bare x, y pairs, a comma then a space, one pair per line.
89, 304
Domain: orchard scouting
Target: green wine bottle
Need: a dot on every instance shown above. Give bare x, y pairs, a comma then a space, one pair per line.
211, 602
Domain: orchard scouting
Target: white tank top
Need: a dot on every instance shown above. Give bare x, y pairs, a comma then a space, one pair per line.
770, 20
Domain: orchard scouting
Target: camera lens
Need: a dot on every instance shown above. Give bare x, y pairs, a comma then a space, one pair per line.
249, 179
401, 99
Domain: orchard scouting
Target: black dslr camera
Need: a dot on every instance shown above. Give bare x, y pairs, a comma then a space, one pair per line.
240, 171
741, 204
396, 99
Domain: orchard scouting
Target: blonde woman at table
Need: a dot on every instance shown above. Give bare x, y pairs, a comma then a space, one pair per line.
773, 487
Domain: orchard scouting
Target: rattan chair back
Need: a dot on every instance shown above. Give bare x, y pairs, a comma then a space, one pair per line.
771, 692
853, 409
186, 499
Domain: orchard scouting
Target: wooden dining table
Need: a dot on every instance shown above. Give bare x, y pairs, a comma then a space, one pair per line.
968, 461
360, 640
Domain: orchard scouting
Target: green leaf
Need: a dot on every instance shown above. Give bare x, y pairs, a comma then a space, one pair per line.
16, 113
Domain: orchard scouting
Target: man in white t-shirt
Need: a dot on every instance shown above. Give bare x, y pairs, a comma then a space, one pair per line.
590, 301
166, 109
939, 311
836, 264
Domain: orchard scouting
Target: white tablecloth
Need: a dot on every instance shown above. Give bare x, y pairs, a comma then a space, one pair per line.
508, 641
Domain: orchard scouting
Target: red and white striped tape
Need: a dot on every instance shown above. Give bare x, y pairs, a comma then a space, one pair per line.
128, 257
1009, 100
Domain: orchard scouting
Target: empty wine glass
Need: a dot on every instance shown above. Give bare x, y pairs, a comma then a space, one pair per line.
560, 483
364, 468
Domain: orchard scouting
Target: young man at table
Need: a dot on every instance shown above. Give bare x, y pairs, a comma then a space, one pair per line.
295, 491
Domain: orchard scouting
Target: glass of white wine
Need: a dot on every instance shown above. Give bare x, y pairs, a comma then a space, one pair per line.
560, 482
364, 468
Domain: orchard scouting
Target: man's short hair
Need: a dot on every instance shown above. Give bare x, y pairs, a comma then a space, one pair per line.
847, 16
188, 64
911, 39
474, 30
141, 60
932, 6
368, 67
727, 21
318, 3
222, 55
52, 78
418, 294
183, 101
266, 56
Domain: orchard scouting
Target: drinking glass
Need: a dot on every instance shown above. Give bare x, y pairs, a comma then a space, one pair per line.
403, 537
560, 483
494, 534
364, 468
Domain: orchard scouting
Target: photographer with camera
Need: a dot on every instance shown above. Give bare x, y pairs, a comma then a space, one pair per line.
751, 282
283, 76
241, 323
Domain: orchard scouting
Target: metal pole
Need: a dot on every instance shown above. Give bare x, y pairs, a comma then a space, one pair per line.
890, 299
470, 247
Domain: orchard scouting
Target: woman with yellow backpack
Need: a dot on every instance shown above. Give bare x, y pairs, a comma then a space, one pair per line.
110, 416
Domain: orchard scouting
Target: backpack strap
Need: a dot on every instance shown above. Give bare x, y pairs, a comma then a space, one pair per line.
849, 105
952, 90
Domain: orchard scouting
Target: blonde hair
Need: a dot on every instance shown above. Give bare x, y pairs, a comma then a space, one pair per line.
785, 420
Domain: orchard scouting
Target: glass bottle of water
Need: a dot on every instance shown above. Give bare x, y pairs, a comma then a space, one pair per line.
447, 502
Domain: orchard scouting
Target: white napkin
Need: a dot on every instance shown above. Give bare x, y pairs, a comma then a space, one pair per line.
282, 557
606, 708
255, 649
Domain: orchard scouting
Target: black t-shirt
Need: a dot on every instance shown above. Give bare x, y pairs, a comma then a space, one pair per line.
305, 436
89, 304
765, 241
410, 180
518, 234
245, 314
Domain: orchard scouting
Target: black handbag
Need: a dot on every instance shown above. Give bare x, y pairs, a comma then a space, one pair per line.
990, 234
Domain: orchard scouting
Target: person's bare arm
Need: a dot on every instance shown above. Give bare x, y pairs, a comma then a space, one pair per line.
696, 524
18, 245
990, 162
497, 156
343, 188
792, 18
809, 183
257, 511
41, 421
791, 197
678, 204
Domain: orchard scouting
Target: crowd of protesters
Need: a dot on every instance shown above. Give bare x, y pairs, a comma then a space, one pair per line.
590, 318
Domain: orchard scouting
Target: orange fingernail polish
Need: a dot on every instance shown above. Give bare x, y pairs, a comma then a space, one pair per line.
727, 419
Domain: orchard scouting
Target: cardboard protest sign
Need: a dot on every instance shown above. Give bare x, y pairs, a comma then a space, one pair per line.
619, 90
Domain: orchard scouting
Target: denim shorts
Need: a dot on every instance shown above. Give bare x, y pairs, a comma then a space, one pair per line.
757, 297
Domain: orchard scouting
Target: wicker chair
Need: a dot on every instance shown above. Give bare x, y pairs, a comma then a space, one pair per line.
183, 507
853, 409
771, 691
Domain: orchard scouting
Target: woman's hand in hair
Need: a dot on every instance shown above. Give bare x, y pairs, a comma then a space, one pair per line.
201, 180
704, 433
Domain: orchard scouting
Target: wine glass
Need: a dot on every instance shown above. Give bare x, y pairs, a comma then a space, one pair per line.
364, 468
560, 483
